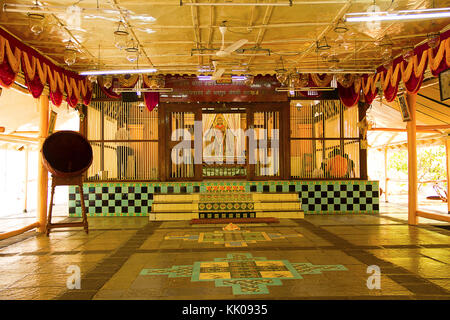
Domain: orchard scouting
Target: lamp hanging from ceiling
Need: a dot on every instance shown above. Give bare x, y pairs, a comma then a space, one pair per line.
70, 53
36, 22
433, 39
322, 45
121, 36
385, 46
333, 61
408, 53
36, 19
340, 27
281, 73
132, 51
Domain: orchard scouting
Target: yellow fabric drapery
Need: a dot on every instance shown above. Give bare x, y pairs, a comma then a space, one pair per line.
435, 61
33, 66
321, 83
13, 57
127, 83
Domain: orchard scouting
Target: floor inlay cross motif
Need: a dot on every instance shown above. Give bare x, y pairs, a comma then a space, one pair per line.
244, 273
235, 238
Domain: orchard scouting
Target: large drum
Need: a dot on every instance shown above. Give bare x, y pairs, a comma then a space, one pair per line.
66, 154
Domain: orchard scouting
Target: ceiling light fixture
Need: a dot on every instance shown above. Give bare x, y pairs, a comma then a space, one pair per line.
45, 9
132, 51
209, 78
253, 4
285, 89
434, 13
125, 71
36, 22
120, 36
434, 39
70, 53
340, 27
35, 19
322, 45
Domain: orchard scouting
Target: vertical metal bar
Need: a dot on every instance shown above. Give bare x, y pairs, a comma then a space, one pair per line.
102, 137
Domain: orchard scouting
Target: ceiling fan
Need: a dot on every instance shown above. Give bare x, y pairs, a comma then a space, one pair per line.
225, 52
217, 72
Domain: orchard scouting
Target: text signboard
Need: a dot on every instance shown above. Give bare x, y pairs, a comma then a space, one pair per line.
191, 89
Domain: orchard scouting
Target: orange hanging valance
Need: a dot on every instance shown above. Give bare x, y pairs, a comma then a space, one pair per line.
39, 71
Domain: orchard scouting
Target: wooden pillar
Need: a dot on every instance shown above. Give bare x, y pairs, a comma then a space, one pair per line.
42, 178
447, 152
362, 109
412, 161
25, 201
386, 179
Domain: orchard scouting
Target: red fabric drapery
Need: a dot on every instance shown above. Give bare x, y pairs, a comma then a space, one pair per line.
56, 98
348, 96
72, 100
151, 100
7, 76
38, 72
414, 83
109, 92
370, 96
87, 98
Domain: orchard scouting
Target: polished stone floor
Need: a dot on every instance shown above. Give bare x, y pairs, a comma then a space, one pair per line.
319, 257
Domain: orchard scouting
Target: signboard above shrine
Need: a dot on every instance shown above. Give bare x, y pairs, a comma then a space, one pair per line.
191, 89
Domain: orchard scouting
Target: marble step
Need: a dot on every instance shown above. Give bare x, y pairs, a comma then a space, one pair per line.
190, 206
170, 216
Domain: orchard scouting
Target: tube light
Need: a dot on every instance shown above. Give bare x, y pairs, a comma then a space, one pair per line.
434, 13
261, 4
209, 78
103, 72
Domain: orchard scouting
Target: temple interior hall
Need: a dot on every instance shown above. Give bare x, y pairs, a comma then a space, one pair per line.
224, 150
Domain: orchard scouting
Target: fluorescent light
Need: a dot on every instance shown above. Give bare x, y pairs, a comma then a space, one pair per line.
309, 89
102, 72
141, 90
209, 78
253, 4
435, 13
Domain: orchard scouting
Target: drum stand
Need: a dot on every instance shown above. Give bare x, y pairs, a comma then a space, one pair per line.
67, 181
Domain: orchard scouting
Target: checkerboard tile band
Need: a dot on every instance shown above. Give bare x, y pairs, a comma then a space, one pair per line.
339, 198
116, 200
135, 199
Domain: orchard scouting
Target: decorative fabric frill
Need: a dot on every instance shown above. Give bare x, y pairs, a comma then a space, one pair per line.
411, 72
39, 71
151, 99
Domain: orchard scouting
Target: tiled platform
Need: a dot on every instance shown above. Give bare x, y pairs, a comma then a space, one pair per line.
319, 257
136, 199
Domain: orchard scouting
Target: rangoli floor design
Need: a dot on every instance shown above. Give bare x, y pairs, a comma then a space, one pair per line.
235, 238
244, 273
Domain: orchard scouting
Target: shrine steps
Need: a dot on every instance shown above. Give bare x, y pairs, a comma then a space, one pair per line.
223, 205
